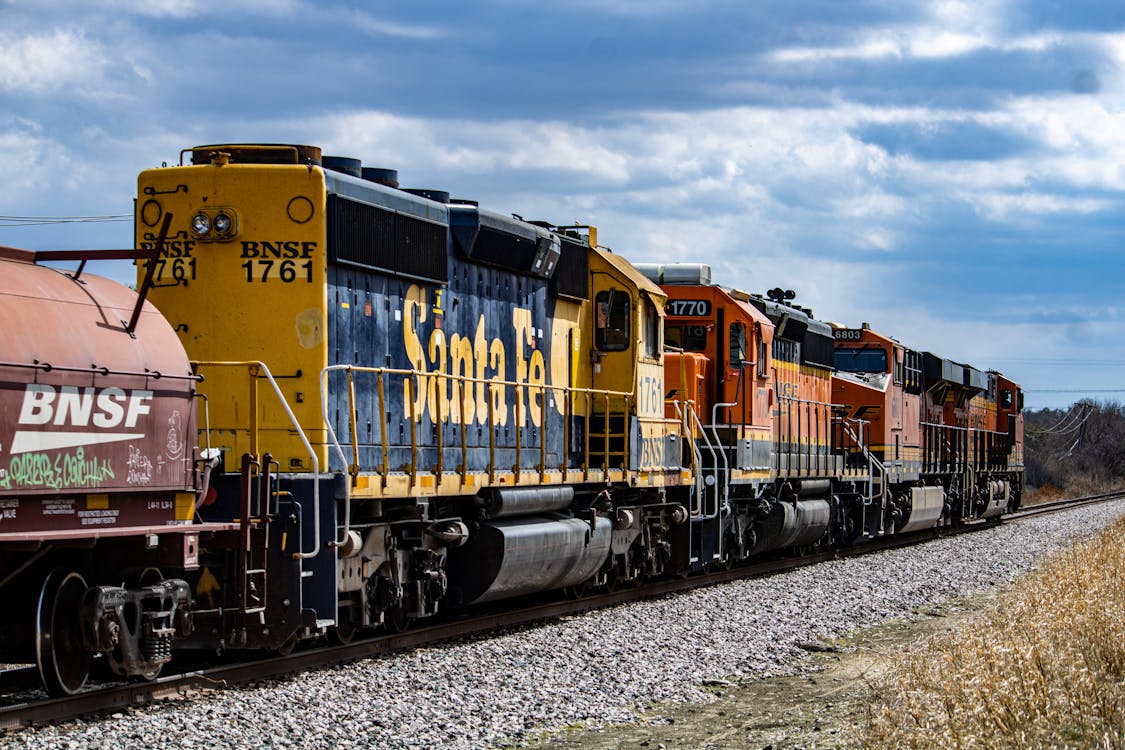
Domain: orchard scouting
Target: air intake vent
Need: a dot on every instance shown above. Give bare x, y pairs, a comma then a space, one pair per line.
382, 240
572, 274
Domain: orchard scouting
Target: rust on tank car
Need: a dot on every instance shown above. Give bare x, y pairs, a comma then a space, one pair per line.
87, 409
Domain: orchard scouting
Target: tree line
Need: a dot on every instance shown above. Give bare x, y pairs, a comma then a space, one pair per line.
1074, 451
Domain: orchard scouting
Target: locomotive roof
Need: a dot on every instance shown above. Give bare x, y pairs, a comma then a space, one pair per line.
634, 276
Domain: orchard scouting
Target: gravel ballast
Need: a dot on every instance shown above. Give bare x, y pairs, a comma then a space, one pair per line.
594, 669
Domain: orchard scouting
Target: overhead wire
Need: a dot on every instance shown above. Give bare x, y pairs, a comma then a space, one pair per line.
31, 221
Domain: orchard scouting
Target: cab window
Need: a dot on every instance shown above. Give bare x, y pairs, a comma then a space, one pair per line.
652, 331
688, 338
611, 333
1006, 398
737, 344
861, 360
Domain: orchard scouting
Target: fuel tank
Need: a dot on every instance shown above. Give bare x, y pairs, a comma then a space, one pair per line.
926, 505
789, 526
525, 555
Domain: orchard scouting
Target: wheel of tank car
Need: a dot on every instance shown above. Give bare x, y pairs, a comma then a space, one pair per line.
64, 665
141, 577
134, 578
396, 619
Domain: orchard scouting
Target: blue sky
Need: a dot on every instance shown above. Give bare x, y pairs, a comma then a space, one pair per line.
951, 172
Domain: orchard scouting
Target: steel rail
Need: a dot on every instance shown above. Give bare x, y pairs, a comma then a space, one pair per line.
182, 686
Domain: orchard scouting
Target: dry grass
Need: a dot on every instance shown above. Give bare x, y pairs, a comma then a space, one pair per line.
1077, 488
1045, 668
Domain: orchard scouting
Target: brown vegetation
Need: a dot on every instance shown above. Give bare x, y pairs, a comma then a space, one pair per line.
1045, 668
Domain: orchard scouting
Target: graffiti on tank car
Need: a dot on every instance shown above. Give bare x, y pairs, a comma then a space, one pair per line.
139, 467
443, 356
40, 470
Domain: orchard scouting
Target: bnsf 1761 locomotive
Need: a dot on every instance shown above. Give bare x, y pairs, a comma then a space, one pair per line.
359, 406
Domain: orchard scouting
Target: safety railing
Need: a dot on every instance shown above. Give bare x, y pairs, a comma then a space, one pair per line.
426, 397
804, 432
952, 449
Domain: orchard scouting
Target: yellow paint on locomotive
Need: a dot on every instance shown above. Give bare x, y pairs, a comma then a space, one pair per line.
256, 293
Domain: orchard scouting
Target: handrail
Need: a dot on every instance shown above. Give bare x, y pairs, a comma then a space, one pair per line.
696, 456
250, 366
461, 386
872, 462
715, 464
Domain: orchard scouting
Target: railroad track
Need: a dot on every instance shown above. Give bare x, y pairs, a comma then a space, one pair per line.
31, 709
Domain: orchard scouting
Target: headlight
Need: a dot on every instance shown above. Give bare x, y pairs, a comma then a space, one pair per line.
200, 224
223, 224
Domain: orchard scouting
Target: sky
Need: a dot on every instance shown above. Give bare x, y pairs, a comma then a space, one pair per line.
952, 173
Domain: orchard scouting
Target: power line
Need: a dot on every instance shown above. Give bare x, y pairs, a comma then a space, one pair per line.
1075, 390
33, 221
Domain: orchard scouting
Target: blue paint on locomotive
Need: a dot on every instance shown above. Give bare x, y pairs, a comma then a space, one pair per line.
404, 294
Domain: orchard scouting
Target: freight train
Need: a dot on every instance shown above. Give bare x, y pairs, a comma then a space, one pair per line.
333, 405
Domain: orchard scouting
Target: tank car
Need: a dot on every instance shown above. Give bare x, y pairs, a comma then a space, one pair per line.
97, 477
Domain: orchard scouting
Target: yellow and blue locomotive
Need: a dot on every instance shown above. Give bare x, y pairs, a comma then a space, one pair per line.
457, 405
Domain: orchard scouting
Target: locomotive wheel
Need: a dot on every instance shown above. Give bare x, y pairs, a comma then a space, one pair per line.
287, 648
342, 633
396, 620
577, 591
64, 664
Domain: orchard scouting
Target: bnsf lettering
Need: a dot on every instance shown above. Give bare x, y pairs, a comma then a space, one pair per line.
278, 250
105, 408
173, 248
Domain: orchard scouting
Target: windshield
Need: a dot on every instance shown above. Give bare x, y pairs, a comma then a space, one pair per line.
861, 360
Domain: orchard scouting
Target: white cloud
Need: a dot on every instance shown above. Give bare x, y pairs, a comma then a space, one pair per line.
382, 27
49, 62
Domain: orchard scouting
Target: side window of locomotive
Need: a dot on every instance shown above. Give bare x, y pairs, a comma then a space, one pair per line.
611, 332
763, 357
737, 344
652, 331
695, 338
674, 337
1006, 398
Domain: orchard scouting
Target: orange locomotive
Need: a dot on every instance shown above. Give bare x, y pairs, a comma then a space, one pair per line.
807, 433
945, 438
752, 377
